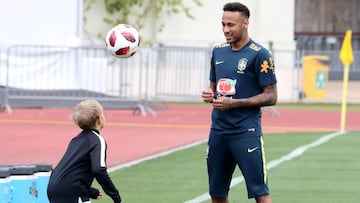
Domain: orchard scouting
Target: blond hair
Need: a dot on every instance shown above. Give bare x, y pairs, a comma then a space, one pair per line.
86, 113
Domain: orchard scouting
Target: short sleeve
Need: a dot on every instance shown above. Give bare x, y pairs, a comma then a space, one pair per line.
265, 68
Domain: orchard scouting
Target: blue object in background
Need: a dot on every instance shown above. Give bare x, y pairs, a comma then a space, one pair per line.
5, 193
42, 177
23, 183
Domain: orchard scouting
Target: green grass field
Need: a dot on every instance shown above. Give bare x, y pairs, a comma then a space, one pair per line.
328, 173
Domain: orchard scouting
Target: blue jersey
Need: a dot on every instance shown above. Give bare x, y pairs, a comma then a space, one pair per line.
240, 74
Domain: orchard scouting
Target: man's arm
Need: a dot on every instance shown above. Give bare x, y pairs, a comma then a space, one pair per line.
267, 98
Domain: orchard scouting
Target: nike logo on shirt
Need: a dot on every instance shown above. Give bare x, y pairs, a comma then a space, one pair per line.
252, 149
218, 62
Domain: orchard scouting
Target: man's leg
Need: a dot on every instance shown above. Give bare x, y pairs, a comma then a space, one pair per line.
219, 200
263, 199
220, 165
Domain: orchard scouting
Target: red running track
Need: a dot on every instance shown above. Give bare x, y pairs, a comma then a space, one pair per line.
42, 135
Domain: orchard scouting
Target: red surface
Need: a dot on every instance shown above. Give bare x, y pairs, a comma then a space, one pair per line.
41, 135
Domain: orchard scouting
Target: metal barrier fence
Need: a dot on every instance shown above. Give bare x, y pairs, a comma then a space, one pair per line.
37, 76
56, 76
177, 73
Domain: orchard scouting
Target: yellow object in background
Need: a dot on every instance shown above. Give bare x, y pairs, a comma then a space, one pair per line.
346, 57
346, 53
315, 75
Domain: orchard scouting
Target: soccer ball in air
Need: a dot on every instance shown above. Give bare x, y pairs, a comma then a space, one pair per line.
122, 41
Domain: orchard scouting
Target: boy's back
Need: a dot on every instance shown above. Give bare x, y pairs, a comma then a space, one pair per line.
84, 160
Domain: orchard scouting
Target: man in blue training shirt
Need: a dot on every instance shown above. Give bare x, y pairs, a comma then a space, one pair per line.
242, 80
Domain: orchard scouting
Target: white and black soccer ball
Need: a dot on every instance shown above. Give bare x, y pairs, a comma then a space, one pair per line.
122, 41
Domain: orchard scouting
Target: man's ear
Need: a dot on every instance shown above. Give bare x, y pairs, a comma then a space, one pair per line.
246, 23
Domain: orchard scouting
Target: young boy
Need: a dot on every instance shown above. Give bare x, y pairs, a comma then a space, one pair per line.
84, 160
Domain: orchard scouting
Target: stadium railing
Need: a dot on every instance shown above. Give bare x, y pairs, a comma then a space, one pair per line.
60, 76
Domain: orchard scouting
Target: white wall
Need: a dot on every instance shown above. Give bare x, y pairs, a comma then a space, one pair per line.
60, 22
46, 22
40, 22
270, 20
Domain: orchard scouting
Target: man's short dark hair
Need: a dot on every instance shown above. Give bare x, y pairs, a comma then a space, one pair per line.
237, 6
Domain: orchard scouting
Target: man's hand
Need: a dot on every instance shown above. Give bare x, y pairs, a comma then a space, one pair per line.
207, 95
222, 103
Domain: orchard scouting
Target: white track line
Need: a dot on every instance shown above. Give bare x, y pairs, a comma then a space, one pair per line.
138, 161
295, 153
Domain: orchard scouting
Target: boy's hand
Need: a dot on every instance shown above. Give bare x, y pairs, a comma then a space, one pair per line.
100, 196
